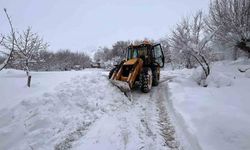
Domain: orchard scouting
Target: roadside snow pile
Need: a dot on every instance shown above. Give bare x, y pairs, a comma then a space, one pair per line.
217, 79
218, 116
13, 85
45, 118
199, 76
247, 74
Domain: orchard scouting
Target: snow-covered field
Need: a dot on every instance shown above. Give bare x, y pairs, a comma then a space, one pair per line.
83, 110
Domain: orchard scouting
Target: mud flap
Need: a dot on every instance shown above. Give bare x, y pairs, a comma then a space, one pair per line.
123, 86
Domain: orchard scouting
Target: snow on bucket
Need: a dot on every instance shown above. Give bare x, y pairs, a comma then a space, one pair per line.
123, 86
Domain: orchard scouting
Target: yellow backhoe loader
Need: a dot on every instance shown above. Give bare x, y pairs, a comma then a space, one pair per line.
142, 65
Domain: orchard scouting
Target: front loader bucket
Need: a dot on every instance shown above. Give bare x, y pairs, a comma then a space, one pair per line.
123, 86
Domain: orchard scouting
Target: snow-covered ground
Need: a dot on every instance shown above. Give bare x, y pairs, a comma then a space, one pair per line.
80, 110
83, 110
57, 109
216, 116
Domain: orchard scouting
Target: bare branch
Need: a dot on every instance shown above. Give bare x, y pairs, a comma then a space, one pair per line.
1, 39
12, 42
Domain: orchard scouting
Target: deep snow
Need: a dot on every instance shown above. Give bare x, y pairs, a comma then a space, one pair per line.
83, 110
56, 110
216, 116
80, 110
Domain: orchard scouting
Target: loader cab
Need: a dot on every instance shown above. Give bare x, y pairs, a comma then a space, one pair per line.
139, 51
150, 54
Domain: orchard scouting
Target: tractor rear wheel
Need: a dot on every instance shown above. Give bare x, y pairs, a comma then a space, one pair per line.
156, 77
146, 80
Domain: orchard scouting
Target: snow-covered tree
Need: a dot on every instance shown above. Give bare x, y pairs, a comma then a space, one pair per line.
26, 49
119, 48
64, 60
189, 44
166, 49
179, 41
116, 53
232, 20
103, 54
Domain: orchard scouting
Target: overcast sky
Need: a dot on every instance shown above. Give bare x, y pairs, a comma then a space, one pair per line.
83, 25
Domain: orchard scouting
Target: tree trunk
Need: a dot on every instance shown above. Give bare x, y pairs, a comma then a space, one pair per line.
28, 73
235, 53
188, 65
29, 81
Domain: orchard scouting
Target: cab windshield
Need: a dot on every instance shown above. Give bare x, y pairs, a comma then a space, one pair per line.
136, 52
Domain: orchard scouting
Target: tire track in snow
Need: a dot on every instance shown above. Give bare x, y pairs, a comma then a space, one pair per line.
142, 123
166, 127
147, 129
73, 136
154, 104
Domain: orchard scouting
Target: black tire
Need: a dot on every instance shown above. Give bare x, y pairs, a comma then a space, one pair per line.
146, 80
156, 77
111, 72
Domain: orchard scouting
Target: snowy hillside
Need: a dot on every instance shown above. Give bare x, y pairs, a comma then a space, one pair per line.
83, 110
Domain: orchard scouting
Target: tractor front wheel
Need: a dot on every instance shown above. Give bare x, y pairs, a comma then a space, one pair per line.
146, 80
111, 72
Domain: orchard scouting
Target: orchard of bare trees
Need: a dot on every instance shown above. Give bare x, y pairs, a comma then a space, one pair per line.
62, 60
27, 51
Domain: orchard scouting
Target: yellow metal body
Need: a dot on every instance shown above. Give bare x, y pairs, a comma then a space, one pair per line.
128, 73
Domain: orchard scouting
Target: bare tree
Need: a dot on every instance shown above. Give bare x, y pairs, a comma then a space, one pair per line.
7, 53
232, 20
26, 47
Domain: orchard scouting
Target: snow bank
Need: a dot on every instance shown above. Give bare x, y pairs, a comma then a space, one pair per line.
57, 109
13, 85
218, 116
247, 74
199, 76
217, 79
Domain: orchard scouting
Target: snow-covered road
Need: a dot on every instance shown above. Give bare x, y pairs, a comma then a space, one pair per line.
141, 123
83, 110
